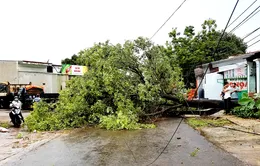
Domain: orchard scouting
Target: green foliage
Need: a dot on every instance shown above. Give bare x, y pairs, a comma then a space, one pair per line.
4, 124
72, 61
42, 118
123, 82
204, 122
195, 152
122, 121
193, 49
249, 107
19, 136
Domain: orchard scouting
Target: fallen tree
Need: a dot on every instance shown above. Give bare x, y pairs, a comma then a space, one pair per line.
122, 82
199, 103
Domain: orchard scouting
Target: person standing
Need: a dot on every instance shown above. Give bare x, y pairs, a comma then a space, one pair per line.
37, 98
227, 98
234, 95
222, 94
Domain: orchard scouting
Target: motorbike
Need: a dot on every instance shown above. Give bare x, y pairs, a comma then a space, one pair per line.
15, 116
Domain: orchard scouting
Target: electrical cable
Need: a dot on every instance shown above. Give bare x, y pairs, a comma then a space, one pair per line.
242, 13
253, 38
246, 19
217, 46
251, 33
230, 128
199, 84
167, 142
168, 19
254, 133
249, 18
253, 43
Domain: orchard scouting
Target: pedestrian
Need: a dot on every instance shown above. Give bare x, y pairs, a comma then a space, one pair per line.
227, 98
222, 94
234, 93
37, 98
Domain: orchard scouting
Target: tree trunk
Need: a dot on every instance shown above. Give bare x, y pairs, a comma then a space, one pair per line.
201, 103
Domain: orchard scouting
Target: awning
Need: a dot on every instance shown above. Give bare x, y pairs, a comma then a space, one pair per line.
230, 67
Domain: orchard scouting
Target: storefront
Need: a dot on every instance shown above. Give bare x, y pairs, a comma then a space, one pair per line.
244, 70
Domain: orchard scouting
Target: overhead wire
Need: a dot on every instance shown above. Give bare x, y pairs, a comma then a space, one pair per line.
251, 33
168, 19
254, 43
217, 45
196, 89
230, 128
253, 38
252, 14
242, 13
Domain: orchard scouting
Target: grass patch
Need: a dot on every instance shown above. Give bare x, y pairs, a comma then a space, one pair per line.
4, 124
19, 136
205, 122
195, 152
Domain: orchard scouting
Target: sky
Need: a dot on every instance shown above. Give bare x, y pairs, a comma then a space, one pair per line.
42, 30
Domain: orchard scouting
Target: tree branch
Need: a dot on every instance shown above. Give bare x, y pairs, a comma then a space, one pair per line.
163, 110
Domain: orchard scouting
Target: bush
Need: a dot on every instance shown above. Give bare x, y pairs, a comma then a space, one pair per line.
43, 118
249, 107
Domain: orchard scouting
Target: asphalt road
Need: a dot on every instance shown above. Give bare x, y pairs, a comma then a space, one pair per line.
140, 147
4, 114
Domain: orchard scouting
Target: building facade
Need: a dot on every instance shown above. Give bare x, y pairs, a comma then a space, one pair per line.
38, 73
244, 70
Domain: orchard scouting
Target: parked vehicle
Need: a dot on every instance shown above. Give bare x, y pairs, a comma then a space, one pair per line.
25, 92
8, 91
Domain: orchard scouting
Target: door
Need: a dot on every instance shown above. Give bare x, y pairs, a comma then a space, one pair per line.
213, 86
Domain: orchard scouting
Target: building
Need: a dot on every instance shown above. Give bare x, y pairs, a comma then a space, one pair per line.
38, 73
244, 70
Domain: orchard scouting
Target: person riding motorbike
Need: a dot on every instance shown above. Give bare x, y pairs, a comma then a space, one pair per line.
16, 104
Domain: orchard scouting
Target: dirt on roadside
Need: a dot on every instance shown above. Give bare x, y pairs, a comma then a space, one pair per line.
243, 145
18, 140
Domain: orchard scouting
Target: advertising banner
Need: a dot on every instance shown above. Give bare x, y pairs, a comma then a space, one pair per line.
241, 84
73, 69
236, 73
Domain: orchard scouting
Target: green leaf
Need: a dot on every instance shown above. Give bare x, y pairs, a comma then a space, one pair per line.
251, 104
257, 104
244, 101
244, 95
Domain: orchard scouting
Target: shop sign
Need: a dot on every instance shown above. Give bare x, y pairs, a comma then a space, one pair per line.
73, 69
241, 84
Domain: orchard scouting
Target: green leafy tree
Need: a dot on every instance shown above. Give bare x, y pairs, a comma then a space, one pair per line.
123, 83
72, 61
193, 49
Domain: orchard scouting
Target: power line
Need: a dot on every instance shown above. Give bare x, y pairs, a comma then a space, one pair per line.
248, 19
254, 43
252, 14
167, 142
251, 32
253, 38
217, 45
242, 13
168, 19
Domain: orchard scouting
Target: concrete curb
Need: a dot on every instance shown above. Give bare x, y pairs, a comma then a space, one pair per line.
33, 146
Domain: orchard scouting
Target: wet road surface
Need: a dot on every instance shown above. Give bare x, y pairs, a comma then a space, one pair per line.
140, 147
4, 114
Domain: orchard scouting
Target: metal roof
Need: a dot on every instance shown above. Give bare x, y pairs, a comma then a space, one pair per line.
243, 56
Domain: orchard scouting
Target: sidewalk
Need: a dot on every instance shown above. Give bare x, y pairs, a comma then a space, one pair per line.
250, 124
244, 146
